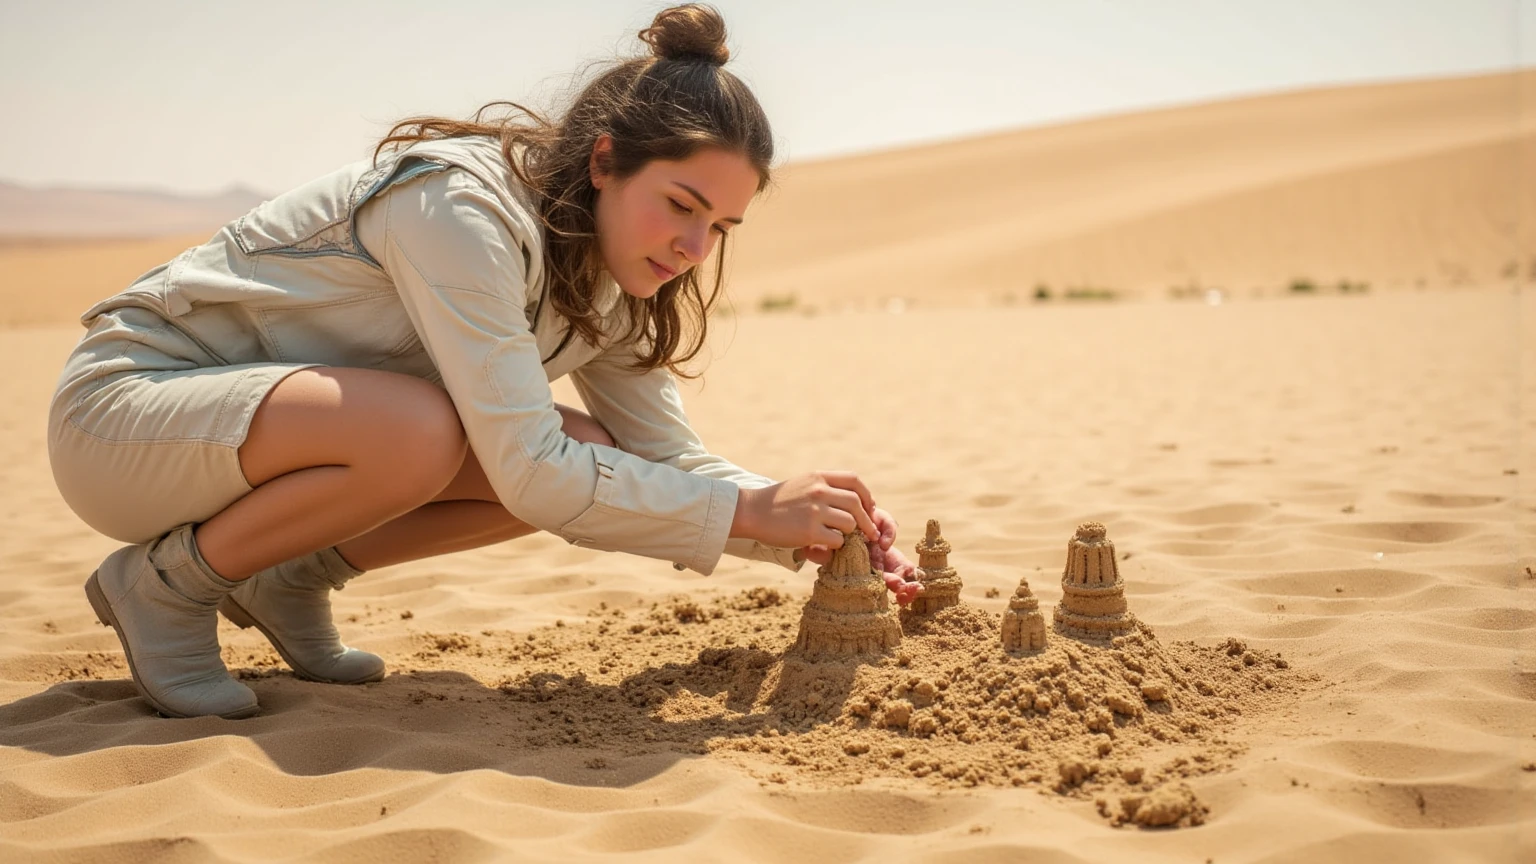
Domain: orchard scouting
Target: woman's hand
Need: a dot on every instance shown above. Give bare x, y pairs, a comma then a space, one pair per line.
814, 509
884, 556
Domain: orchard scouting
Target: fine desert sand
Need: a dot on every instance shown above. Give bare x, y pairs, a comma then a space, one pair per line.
1319, 502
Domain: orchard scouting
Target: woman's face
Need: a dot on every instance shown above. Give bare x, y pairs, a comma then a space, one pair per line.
670, 215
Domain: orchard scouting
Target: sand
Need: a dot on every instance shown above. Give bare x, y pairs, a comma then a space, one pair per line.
1322, 516
1332, 481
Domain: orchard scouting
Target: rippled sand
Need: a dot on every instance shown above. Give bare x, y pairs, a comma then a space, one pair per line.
1343, 481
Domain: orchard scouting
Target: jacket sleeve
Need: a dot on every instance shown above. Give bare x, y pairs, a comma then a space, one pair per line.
643, 411
460, 268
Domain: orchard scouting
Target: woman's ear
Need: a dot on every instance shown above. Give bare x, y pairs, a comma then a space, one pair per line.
602, 154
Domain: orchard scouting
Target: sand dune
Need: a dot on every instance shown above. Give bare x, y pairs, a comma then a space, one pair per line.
1400, 185
57, 212
1332, 478
1390, 184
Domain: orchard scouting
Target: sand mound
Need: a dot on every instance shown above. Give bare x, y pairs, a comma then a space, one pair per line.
1125, 719
1023, 626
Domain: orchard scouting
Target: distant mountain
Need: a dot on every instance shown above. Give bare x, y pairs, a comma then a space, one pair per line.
59, 212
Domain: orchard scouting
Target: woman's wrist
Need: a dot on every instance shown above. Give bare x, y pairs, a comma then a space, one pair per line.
742, 521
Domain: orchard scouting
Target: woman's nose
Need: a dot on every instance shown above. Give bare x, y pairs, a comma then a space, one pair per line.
694, 245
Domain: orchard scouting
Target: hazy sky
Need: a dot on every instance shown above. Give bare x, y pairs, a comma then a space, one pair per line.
197, 95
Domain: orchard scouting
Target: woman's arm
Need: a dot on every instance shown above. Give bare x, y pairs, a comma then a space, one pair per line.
643, 411
460, 266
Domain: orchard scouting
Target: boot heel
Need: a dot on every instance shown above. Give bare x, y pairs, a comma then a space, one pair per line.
99, 602
235, 614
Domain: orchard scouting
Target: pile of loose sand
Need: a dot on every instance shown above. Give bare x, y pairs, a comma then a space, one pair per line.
1124, 722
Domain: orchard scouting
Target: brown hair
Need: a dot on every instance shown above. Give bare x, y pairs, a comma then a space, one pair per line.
668, 105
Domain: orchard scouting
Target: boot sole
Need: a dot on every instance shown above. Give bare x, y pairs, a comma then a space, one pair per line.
104, 614
243, 619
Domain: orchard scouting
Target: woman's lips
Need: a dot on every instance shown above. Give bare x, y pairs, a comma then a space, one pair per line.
659, 270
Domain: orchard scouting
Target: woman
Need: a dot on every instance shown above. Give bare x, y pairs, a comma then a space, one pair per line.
356, 373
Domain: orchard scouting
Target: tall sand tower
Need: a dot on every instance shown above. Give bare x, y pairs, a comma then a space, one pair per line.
941, 583
849, 611
1092, 593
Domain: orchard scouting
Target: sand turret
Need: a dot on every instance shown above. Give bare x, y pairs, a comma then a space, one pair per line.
941, 584
1023, 625
1092, 594
849, 611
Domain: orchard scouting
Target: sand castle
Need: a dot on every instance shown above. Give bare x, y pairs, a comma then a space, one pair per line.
1092, 594
849, 612
1023, 625
941, 584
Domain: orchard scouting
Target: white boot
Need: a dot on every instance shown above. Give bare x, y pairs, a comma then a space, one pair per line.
161, 598
291, 605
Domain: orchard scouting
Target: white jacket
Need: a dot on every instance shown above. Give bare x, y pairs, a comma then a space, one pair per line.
431, 264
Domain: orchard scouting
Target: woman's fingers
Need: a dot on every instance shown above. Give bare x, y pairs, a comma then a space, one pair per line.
831, 538
876, 556
837, 519
850, 481
887, 526
905, 591
849, 502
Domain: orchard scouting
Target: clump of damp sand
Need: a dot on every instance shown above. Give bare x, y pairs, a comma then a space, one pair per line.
1123, 722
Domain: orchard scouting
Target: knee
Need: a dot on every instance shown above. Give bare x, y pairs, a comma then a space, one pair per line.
583, 428
431, 445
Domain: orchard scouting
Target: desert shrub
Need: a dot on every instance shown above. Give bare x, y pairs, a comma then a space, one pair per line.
777, 302
1086, 292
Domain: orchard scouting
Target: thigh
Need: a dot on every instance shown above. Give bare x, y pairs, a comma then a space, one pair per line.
470, 484
363, 418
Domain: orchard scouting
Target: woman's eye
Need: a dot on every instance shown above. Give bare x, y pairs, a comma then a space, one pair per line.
681, 209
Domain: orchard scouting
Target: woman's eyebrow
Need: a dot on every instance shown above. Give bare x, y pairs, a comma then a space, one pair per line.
705, 201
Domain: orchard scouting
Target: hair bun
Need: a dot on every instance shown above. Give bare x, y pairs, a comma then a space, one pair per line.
692, 31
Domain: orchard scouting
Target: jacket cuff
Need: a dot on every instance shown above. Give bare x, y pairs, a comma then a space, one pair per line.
717, 527
752, 550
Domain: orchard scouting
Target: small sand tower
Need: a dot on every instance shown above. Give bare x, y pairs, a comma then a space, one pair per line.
1023, 625
941, 584
849, 612
1092, 594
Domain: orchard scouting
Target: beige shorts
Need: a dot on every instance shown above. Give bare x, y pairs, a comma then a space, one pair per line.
144, 429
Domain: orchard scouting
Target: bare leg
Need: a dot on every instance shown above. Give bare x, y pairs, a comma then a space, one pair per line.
466, 515
334, 454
